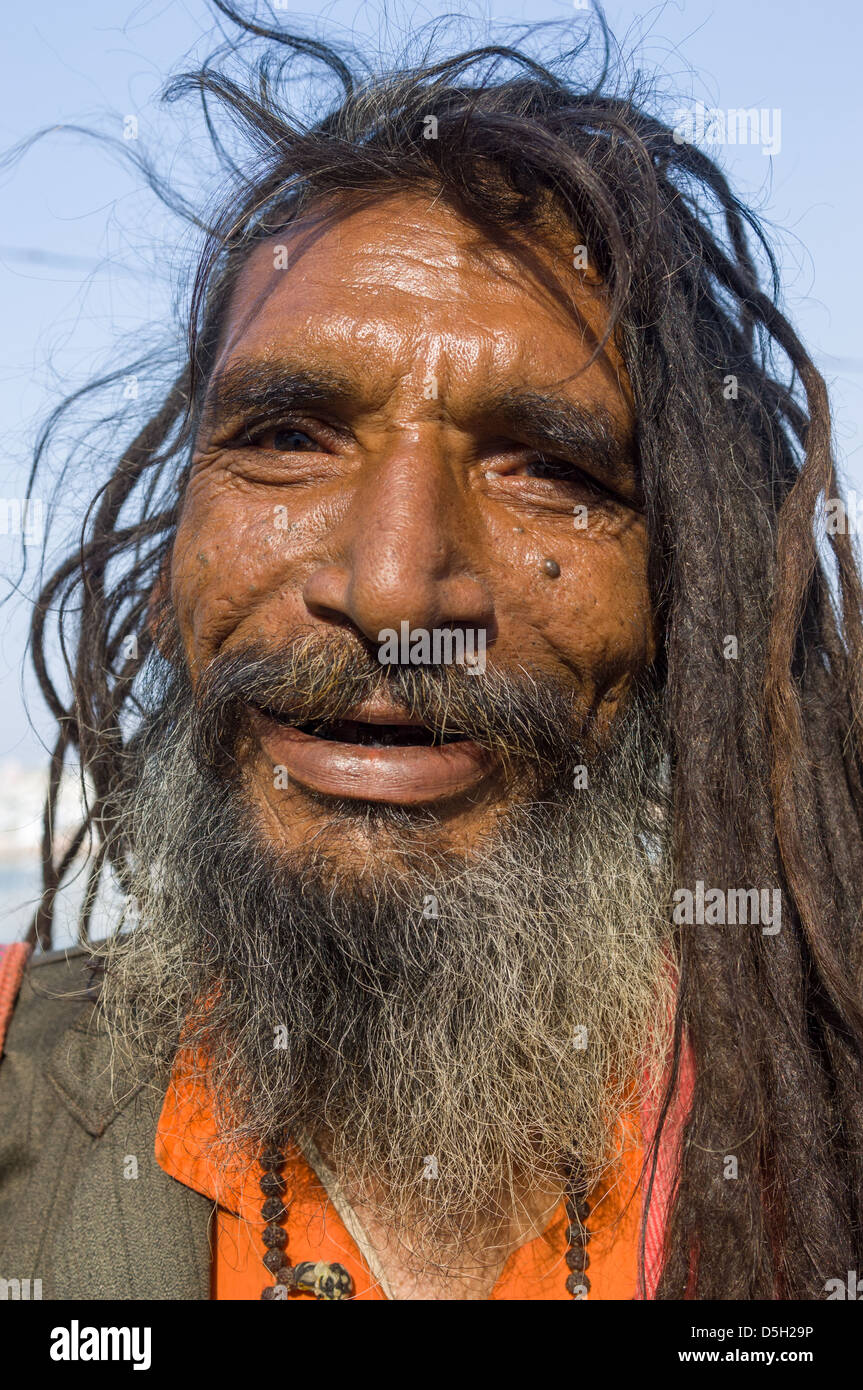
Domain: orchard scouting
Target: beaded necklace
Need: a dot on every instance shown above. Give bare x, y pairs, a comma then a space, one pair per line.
329, 1282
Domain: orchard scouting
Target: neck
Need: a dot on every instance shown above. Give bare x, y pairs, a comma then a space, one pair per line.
408, 1266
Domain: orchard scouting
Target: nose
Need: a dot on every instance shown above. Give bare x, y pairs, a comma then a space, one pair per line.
408, 550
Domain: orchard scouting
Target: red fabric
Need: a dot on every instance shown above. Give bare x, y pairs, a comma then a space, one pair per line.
13, 959
668, 1158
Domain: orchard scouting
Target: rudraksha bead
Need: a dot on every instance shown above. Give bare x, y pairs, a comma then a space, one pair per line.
287, 1276
273, 1158
274, 1209
575, 1282
577, 1210
274, 1259
273, 1184
274, 1237
577, 1258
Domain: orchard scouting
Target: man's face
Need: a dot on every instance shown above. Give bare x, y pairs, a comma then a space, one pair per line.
397, 431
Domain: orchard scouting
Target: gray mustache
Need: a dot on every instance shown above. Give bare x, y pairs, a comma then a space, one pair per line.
316, 681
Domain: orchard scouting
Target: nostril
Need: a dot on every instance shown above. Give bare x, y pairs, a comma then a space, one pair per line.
372, 597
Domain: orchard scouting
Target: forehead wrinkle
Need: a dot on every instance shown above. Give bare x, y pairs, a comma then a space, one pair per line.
404, 345
520, 266
470, 370
366, 359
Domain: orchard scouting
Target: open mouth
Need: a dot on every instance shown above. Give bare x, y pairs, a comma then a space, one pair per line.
384, 756
374, 735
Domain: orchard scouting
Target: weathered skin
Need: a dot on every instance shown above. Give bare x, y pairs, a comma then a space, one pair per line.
407, 506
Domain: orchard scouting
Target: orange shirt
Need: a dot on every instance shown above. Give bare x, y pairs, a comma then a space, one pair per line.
185, 1149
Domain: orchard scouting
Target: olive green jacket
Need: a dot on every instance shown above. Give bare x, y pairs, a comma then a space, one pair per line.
84, 1206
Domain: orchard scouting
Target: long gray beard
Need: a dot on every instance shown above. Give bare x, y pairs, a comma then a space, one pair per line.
453, 1033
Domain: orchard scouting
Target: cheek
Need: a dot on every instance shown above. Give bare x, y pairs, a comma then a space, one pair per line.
606, 594
231, 556
595, 616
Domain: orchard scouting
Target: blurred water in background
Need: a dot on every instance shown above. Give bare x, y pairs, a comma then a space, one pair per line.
22, 794
18, 891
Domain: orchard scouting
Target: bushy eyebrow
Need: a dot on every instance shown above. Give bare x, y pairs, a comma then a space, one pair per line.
252, 387
556, 423
547, 421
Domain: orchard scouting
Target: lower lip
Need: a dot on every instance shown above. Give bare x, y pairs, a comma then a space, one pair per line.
403, 775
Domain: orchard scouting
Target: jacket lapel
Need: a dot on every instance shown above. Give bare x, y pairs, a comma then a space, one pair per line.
128, 1230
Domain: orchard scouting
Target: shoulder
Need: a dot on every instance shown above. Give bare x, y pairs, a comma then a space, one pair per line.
47, 993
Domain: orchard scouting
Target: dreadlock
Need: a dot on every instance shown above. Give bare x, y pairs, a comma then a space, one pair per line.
765, 750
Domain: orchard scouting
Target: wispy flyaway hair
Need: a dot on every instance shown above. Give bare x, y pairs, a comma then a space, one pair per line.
765, 750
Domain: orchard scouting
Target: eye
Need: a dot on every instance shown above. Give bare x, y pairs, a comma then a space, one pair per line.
288, 436
287, 439
567, 479
557, 469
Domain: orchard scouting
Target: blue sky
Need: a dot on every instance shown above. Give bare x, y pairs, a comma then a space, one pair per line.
109, 281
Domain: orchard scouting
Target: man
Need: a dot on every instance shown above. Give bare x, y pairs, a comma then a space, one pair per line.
475, 736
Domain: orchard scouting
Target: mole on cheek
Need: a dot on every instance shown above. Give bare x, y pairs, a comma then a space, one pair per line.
551, 568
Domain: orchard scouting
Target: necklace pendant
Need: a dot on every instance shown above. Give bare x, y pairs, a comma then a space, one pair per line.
328, 1282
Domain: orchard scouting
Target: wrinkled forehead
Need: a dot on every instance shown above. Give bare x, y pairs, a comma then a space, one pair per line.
399, 276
